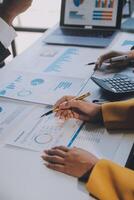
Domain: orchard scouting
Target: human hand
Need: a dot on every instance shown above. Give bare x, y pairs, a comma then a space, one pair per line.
74, 162
109, 55
82, 110
12, 8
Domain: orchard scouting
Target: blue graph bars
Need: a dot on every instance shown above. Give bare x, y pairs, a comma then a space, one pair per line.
11, 86
63, 85
66, 57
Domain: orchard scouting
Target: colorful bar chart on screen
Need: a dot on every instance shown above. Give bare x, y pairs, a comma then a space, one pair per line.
102, 15
104, 3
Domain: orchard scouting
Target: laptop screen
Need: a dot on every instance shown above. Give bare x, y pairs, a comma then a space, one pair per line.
92, 13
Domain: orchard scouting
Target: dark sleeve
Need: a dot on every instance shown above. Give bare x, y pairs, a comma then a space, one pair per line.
132, 48
4, 53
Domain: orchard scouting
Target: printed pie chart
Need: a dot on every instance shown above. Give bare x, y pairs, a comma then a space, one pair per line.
37, 81
78, 2
2, 93
43, 139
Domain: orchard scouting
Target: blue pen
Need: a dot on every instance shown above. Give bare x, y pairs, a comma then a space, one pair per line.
75, 135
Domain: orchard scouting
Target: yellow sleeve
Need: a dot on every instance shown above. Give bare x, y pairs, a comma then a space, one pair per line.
119, 115
109, 181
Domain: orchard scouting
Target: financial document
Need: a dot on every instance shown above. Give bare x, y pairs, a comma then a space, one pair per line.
37, 88
97, 140
37, 133
58, 60
125, 42
11, 115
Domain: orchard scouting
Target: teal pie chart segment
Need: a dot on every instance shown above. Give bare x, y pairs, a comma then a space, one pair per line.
37, 82
2, 93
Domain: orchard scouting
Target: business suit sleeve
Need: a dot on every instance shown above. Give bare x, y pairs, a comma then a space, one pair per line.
109, 181
4, 53
119, 115
7, 34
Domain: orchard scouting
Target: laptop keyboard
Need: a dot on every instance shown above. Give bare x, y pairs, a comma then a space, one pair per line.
86, 33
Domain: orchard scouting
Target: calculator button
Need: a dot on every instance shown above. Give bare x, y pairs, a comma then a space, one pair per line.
117, 84
106, 79
113, 89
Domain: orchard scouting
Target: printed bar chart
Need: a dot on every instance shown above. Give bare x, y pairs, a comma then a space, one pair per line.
66, 57
63, 85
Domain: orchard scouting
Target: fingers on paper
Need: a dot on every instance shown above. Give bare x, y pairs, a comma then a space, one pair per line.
53, 159
57, 152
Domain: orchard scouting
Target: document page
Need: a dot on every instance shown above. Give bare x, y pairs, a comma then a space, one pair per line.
97, 140
37, 88
125, 42
57, 60
38, 133
11, 115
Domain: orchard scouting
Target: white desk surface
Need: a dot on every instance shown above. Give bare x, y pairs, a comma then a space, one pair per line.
22, 173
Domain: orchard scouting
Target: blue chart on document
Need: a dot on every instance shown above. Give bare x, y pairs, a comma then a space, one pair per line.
28, 86
37, 133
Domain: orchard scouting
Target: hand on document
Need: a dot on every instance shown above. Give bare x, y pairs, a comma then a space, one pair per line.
69, 107
105, 60
75, 162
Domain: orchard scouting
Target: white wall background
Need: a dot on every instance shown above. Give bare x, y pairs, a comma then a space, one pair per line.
42, 14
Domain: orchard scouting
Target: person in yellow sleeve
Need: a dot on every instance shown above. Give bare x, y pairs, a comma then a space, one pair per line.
104, 179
